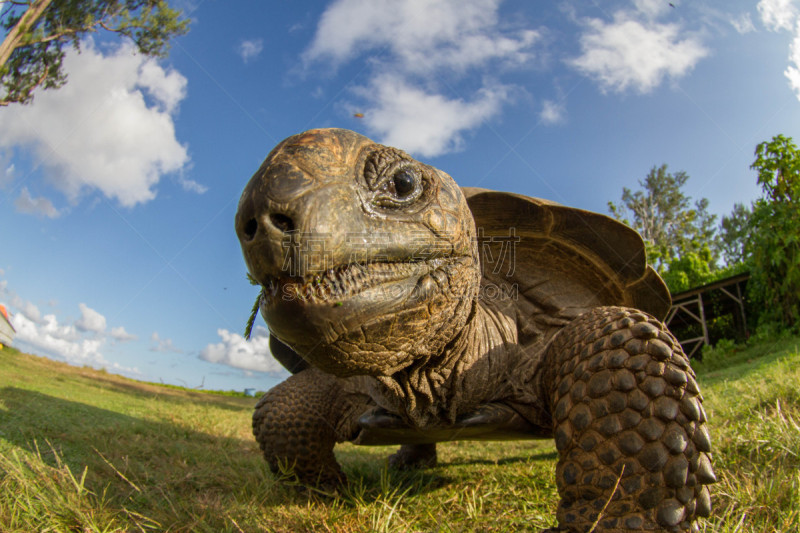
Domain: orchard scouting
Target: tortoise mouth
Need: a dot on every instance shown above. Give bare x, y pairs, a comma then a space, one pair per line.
340, 283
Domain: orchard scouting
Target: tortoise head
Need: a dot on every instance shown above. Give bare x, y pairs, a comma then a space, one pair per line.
368, 258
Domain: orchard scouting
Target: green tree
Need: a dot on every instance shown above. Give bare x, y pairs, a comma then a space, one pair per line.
734, 234
774, 246
37, 31
664, 216
691, 269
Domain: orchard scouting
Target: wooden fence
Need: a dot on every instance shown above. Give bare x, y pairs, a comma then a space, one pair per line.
693, 311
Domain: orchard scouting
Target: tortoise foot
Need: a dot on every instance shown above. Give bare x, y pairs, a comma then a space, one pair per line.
413, 457
295, 426
629, 426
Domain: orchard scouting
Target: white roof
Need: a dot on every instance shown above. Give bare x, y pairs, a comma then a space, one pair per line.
7, 331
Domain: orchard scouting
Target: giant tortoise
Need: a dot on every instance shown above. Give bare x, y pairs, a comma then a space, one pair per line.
411, 311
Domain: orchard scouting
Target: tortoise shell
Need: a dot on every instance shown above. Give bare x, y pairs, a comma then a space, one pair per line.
546, 263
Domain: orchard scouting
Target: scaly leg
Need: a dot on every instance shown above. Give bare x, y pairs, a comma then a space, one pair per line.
414, 456
629, 426
298, 422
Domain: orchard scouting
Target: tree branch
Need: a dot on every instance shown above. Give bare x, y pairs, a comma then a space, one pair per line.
108, 28
5, 101
56, 36
27, 20
39, 29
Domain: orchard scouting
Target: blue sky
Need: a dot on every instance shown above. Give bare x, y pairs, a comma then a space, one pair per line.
118, 191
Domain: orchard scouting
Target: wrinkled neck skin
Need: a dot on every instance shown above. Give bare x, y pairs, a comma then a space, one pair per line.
474, 368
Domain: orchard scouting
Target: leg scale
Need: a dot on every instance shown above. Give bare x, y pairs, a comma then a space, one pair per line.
629, 426
298, 422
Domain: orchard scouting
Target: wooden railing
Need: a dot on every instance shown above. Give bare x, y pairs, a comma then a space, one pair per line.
691, 311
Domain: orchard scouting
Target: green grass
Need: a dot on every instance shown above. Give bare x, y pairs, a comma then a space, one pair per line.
753, 403
84, 450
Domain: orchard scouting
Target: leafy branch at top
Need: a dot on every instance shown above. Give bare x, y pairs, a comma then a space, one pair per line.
680, 238
774, 245
763, 238
32, 52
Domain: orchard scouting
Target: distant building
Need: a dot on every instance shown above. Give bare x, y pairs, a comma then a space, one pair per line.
7, 331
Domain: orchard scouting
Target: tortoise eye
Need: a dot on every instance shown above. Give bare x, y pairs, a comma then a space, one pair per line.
405, 182
401, 187
394, 179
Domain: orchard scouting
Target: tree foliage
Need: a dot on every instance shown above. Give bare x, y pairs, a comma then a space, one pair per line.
691, 269
734, 234
680, 237
774, 246
37, 31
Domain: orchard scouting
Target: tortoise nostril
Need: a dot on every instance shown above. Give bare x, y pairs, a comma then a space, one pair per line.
282, 222
250, 229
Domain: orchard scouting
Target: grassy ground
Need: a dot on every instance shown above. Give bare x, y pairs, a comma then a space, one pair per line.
82, 450
753, 403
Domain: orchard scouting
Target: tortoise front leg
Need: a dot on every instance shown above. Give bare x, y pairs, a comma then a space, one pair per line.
629, 426
298, 422
414, 456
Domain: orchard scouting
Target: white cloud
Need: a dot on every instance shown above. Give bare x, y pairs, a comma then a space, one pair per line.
110, 128
552, 112
80, 343
167, 87
55, 339
162, 345
50, 327
119, 334
190, 185
425, 123
63, 342
632, 54
250, 49
410, 53
793, 70
40, 205
777, 14
31, 311
28, 309
784, 15
90, 320
7, 170
743, 23
421, 35
651, 8
237, 352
